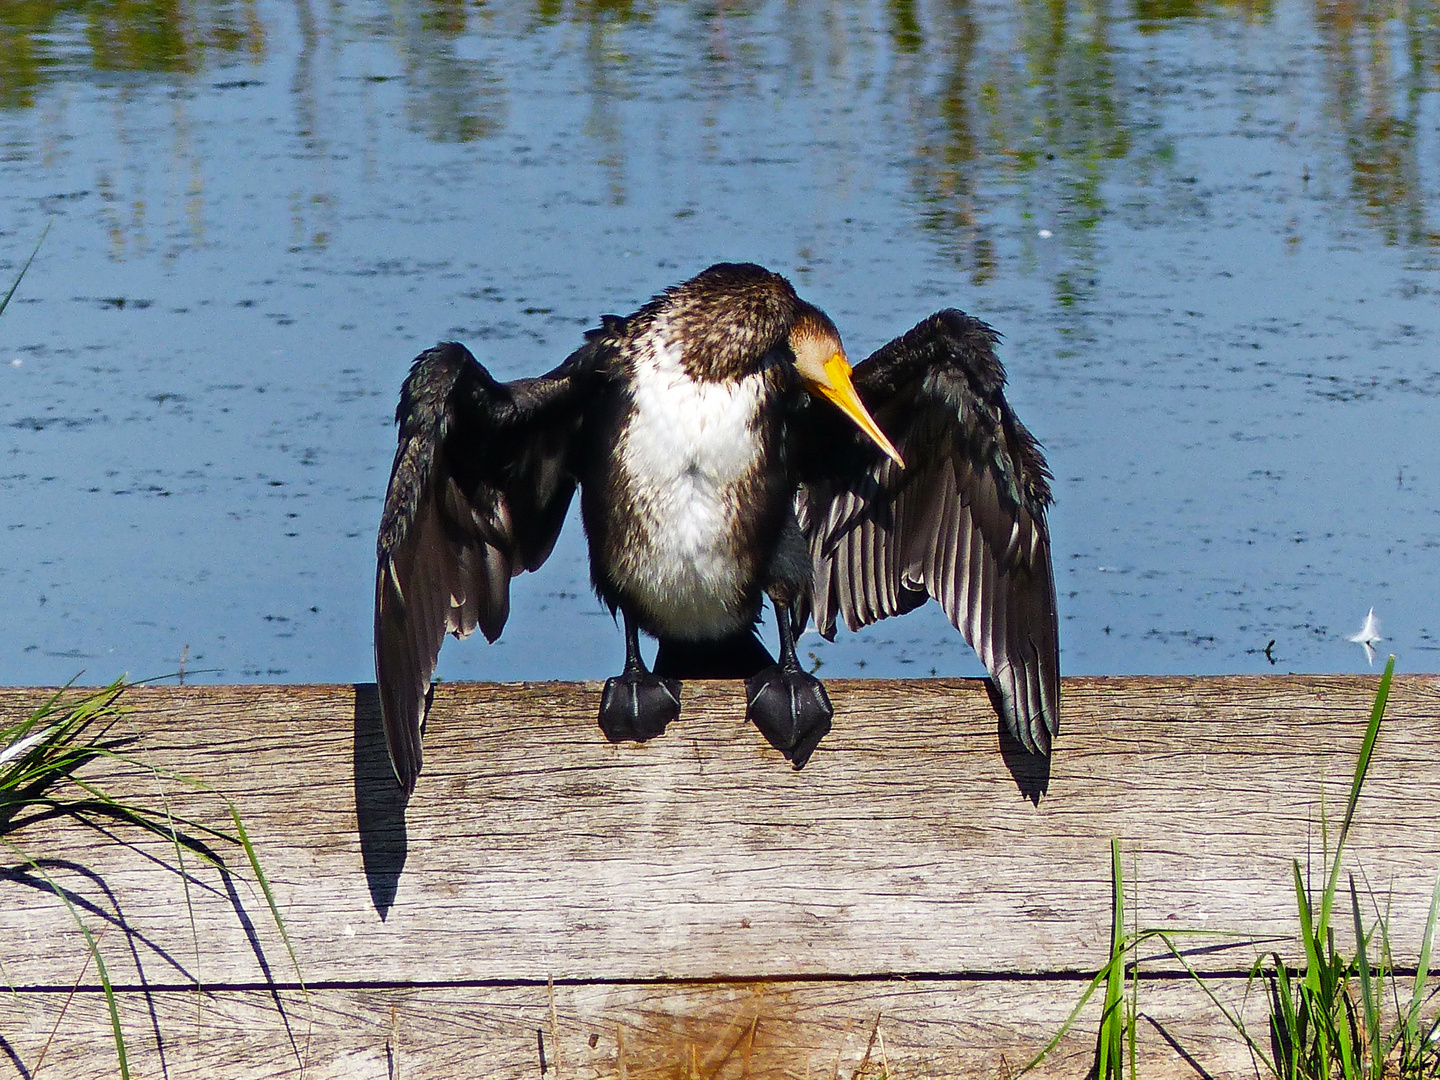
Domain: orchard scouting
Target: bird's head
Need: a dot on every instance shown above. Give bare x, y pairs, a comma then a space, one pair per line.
820, 359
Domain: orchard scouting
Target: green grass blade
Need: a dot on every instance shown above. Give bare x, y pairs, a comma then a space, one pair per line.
265, 888
1367, 747
44, 748
1109, 1042
1370, 1005
1068, 1024
1115, 978
1112, 1021
1233, 1018
6, 302
1362, 766
1422, 969
1307, 932
1131, 1013
1345, 1044
179, 849
1289, 1019
94, 946
109, 992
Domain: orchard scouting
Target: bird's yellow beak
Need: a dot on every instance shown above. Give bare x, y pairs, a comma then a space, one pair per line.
834, 382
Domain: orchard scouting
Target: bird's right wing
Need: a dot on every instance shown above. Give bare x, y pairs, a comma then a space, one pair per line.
478, 492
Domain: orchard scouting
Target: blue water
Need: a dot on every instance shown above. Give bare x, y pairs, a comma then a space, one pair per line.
1209, 238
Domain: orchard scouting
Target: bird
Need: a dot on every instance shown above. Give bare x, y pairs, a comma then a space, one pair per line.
725, 451
1368, 636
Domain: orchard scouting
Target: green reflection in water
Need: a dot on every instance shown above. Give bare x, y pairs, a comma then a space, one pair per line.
1152, 16
1005, 114
44, 40
1026, 97
905, 31
591, 12
1381, 57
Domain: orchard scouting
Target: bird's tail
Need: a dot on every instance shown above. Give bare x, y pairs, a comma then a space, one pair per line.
736, 657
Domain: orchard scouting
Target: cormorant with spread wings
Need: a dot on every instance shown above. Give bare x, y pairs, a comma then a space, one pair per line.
725, 450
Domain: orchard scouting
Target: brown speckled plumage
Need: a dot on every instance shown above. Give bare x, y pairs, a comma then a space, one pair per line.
755, 486
728, 318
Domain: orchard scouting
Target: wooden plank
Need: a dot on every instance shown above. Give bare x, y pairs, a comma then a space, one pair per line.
534, 849
820, 1030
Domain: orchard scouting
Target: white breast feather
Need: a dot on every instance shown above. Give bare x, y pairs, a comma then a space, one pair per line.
687, 444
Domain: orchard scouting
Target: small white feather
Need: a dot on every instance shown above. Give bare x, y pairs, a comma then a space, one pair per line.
1368, 636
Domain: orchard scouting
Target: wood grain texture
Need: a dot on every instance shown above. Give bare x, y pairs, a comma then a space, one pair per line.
924, 1029
533, 849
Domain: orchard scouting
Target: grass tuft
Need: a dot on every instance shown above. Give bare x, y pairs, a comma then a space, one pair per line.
1328, 1019
40, 757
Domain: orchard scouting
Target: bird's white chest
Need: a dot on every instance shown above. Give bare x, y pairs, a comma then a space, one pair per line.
686, 451
688, 438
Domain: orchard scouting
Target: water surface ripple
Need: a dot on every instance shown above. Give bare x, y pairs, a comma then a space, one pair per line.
1207, 231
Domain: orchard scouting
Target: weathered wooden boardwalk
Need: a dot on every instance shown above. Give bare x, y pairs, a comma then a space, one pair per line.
923, 897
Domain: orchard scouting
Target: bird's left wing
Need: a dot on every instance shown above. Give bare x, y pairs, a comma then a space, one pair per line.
478, 492
963, 522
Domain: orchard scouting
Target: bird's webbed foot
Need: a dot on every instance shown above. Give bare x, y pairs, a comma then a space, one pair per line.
637, 705
791, 709
789, 706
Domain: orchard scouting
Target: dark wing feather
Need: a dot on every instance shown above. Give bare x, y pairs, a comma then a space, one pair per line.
963, 522
478, 492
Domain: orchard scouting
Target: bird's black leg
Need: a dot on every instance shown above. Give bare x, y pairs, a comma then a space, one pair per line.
788, 705
636, 704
